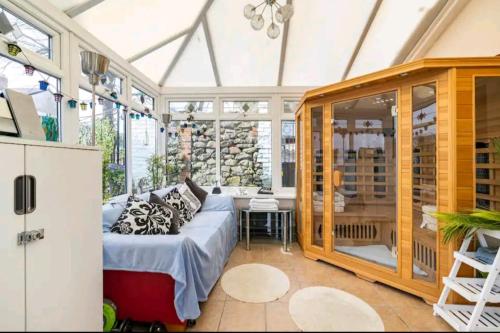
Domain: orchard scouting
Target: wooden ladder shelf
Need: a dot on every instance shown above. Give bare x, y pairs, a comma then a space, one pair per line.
478, 317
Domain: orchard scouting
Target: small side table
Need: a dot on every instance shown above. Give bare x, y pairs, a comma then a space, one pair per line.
287, 225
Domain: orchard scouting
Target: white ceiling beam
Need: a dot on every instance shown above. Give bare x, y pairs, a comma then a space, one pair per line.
159, 45
447, 15
186, 41
211, 52
77, 10
362, 38
430, 17
284, 43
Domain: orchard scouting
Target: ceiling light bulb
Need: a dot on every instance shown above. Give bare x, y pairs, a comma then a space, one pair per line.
284, 13
273, 31
249, 11
257, 22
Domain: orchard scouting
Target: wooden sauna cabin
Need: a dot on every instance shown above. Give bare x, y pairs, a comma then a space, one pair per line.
378, 154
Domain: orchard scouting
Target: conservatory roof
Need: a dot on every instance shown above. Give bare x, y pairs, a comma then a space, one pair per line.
198, 43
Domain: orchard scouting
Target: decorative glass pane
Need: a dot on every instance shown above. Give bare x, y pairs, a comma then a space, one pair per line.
12, 75
144, 172
191, 152
288, 153
191, 107
259, 107
142, 98
290, 105
110, 136
424, 182
29, 36
245, 153
368, 124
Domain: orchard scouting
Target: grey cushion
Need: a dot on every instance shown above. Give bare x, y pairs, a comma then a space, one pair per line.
200, 193
175, 224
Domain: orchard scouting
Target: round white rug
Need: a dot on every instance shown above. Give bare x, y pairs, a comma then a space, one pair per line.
328, 309
255, 283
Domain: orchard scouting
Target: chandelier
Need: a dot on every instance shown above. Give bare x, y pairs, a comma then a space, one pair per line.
281, 13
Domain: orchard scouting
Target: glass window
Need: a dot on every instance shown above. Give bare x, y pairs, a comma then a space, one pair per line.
317, 175
191, 107
290, 105
364, 177
424, 182
112, 82
143, 131
487, 129
256, 107
12, 75
288, 153
110, 136
29, 36
191, 152
245, 153
142, 98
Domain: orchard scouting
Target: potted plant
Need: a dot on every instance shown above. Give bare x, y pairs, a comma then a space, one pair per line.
463, 225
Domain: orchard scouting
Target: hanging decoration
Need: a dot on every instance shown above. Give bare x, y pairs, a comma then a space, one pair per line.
114, 95
118, 105
72, 103
13, 49
29, 70
281, 13
131, 115
83, 106
58, 97
142, 99
137, 116
125, 108
44, 85
162, 129
142, 115
100, 100
150, 116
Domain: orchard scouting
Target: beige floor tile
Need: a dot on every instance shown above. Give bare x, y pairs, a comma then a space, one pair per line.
239, 316
399, 311
392, 322
397, 298
211, 313
217, 293
421, 318
278, 318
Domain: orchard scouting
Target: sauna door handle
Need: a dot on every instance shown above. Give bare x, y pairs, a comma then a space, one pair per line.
337, 178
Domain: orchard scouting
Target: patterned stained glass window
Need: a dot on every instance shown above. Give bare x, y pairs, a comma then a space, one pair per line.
252, 107
191, 107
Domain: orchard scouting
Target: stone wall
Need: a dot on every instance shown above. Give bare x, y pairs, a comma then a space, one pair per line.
244, 154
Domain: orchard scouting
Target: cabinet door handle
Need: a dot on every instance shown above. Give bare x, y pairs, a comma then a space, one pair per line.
30, 194
20, 195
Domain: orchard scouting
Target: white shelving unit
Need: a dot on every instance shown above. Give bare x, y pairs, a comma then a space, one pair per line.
478, 317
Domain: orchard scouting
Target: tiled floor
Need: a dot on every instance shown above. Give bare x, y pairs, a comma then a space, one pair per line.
398, 310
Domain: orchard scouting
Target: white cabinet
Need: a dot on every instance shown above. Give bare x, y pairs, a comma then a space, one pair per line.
54, 283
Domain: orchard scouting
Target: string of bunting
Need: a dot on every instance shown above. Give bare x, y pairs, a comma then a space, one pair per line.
14, 50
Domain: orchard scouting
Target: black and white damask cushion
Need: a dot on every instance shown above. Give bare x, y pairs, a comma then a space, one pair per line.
143, 218
175, 199
193, 203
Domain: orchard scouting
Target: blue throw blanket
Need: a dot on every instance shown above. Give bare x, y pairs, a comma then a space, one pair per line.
195, 258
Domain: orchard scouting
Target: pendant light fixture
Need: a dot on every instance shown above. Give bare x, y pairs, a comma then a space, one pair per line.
281, 13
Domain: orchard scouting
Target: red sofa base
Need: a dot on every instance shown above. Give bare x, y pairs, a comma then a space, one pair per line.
143, 296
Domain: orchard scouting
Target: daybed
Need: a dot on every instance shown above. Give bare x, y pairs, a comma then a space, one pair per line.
163, 277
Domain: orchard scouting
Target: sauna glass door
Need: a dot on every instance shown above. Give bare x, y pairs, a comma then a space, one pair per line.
364, 177
317, 175
424, 228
